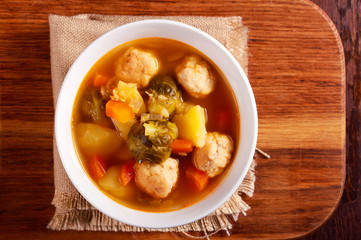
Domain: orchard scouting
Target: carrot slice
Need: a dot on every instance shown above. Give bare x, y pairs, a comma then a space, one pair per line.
127, 172
196, 178
97, 167
119, 111
100, 80
182, 146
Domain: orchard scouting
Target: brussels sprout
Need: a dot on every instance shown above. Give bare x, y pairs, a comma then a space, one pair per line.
164, 96
151, 140
161, 132
92, 106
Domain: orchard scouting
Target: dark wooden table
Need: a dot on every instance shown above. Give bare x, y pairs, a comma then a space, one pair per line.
27, 113
345, 223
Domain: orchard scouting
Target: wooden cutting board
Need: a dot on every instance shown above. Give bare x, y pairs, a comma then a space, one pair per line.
297, 72
296, 69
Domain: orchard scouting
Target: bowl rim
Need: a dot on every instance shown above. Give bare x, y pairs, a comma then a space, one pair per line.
166, 219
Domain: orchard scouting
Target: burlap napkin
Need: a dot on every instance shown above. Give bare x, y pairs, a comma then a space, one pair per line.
69, 36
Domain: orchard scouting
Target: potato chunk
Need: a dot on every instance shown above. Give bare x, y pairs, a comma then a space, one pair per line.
111, 183
124, 128
136, 66
192, 125
95, 139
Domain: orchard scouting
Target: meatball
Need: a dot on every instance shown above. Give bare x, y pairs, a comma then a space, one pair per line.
136, 66
157, 180
195, 76
215, 155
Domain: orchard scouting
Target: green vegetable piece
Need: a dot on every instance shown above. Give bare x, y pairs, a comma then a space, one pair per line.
92, 106
164, 96
161, 132
150, 141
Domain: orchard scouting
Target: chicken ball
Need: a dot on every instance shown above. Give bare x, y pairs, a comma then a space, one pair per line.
157, 180
195, 76
215, 155
136, 66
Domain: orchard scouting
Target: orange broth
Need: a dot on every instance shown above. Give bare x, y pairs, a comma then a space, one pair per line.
220, 102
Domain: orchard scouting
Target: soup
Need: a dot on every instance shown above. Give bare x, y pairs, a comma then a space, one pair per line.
155, 125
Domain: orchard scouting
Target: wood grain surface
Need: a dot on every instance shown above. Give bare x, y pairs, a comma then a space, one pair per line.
297, 71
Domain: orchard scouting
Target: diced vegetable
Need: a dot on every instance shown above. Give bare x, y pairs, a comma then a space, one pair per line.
151, 140
183, 108
124, 128
197, 179
127, 172
164, 96
111, 183
182, 146
95, 139
97, 167
107, 89
93, 107
120, 111
192, 125
100, 80
149, 116
128, 93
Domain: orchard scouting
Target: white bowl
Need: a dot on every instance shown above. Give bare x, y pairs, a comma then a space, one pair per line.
241, 88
